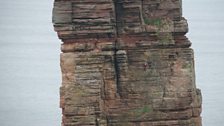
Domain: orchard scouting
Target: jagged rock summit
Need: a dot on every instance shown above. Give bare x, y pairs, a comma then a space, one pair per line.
126, 63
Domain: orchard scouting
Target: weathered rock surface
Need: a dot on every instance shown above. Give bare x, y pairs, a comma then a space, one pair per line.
126, 63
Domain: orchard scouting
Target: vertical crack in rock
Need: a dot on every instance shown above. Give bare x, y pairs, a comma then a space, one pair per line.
118, 24
118, 4
116, 67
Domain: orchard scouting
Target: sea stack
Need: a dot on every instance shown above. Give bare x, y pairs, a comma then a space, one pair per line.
126, 63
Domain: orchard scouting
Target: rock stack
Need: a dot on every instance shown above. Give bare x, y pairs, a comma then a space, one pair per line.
126, 63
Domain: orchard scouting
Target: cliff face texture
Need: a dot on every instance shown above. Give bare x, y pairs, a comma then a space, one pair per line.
126, 63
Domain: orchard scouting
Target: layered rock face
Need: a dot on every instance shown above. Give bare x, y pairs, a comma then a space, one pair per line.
126, 63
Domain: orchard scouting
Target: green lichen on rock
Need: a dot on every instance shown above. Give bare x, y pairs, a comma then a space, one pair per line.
155, 22
144, 110
165, 38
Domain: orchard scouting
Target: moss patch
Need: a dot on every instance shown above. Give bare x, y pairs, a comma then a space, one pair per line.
156, 22
140, 112
165, 38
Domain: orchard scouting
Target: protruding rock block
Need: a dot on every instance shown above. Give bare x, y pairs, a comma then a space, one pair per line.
126, 63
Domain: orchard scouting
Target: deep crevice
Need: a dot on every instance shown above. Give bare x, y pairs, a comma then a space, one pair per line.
118, 14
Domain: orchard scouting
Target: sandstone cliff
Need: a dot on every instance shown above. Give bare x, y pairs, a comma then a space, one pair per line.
126, 63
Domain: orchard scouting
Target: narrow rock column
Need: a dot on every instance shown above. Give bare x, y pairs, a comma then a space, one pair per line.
126, 63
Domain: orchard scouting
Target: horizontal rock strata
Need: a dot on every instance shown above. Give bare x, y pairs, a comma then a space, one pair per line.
126, 63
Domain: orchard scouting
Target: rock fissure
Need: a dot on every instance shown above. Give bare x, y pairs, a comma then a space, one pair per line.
118, 23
